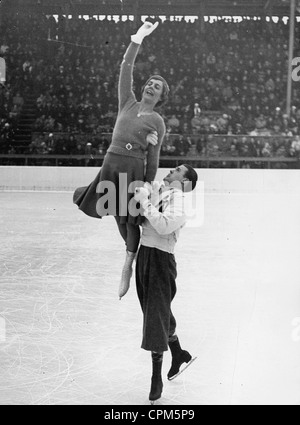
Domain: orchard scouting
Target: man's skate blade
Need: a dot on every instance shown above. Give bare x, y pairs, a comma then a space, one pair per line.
155, 402
182, 370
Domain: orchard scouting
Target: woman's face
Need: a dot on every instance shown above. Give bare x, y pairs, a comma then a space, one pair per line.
153, 91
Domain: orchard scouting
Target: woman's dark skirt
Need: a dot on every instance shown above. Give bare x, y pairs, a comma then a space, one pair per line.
112, 191
156, 274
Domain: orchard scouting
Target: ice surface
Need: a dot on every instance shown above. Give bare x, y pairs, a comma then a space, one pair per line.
65, 338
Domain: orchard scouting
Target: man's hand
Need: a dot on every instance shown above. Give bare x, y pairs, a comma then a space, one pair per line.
146, 29
152, 189
141, 194
148, 187
155, 196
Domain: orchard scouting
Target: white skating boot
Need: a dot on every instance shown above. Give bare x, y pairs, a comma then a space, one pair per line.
126, 274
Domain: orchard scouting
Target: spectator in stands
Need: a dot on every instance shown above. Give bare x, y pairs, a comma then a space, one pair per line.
61, 146
196, 110
38, 146
255, 147
266, 150
6, 135
222, 124
295, 147
182, 145
4, 48
233, 150
261, 127
286, 125
185, 126
197, 124
201, 145
168, 147
276, 131
174, 124
103, 145
27, 67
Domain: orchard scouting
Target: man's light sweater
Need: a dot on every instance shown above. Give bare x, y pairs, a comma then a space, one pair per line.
161, 229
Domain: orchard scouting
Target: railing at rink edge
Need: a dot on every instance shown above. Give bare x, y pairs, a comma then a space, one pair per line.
217, 152
165, 161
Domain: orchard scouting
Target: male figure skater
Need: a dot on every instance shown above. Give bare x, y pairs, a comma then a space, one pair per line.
156, 269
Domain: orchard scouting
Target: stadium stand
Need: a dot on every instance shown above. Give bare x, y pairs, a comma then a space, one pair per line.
227, 79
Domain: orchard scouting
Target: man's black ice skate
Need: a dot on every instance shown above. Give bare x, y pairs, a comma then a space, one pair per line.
156, 389
179, 357
156, 381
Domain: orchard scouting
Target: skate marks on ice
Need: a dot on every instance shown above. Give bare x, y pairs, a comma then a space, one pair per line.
242, 299
66, 338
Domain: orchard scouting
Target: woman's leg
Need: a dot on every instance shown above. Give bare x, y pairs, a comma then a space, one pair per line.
133, 237
132, 243
127, 268
122, 229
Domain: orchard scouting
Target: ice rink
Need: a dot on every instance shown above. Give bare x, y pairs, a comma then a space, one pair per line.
65, 338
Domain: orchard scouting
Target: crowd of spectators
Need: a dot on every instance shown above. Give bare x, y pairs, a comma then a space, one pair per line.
11, 103
229, 80
69, 144
15, 81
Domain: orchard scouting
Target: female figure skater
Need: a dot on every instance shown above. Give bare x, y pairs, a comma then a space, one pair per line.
132, 157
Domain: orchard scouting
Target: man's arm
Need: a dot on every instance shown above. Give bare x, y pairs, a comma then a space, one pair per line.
168, 221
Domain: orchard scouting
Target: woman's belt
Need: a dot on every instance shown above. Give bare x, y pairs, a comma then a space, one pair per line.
131, 149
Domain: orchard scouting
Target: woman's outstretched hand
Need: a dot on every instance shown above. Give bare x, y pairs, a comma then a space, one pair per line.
146, 29
152, 138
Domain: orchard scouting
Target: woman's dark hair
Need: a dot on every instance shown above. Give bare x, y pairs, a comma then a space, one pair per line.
192, 176
166, 89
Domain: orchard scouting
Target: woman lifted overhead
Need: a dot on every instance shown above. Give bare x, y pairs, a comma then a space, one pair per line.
132, 158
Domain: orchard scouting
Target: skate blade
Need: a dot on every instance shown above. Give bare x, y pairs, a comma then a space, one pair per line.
182, 370
153, 402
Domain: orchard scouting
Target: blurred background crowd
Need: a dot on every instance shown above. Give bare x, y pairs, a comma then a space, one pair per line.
228, 85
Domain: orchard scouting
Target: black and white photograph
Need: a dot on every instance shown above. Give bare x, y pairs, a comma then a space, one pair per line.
150, 205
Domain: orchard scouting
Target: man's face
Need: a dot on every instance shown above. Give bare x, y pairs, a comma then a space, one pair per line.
176, 175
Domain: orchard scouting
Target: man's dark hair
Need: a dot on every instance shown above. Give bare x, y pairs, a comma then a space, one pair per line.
192, 176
